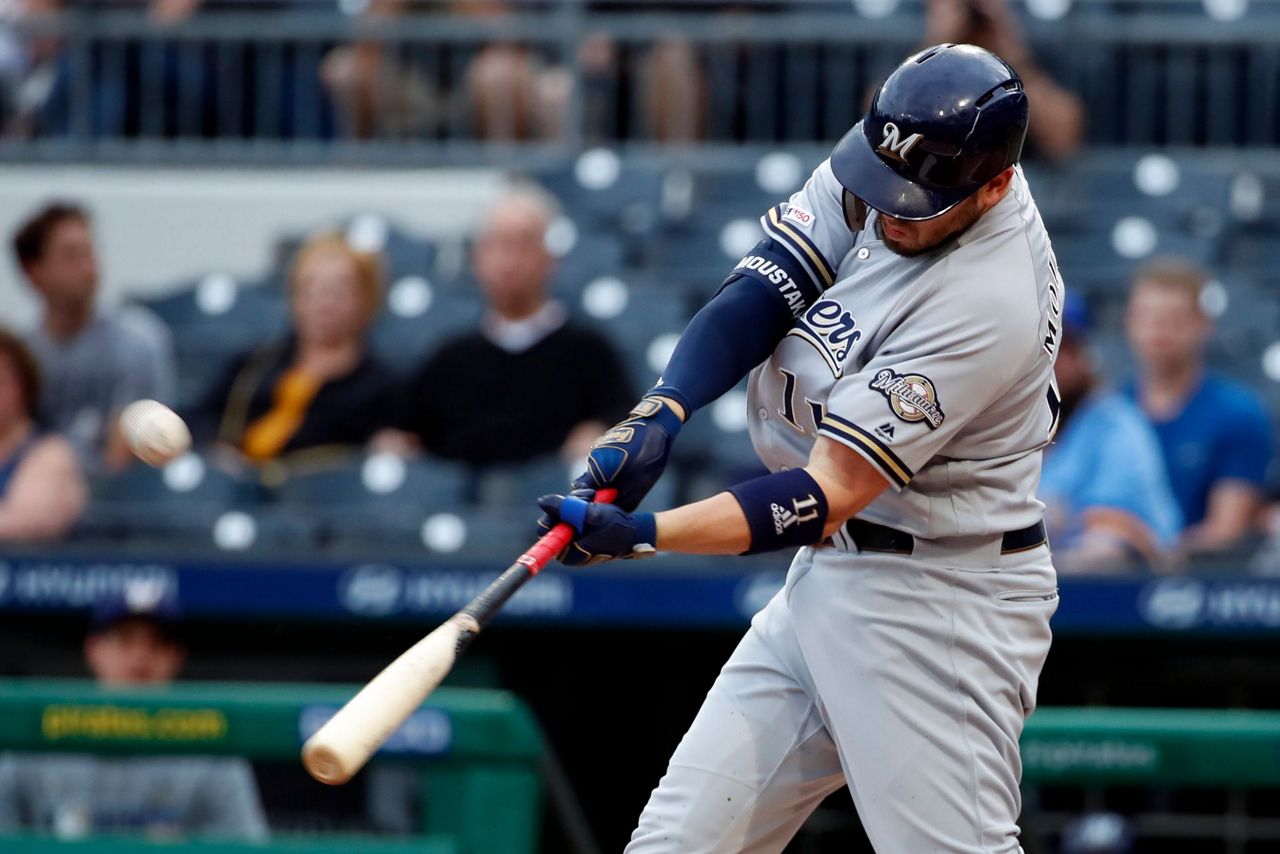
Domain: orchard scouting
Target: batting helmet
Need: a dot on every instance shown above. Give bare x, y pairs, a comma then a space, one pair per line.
946, 121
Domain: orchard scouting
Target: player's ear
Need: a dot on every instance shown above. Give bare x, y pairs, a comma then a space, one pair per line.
1001, 182
993, 191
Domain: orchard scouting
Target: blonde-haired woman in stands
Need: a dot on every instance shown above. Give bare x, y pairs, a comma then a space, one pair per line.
41, 488
317, 391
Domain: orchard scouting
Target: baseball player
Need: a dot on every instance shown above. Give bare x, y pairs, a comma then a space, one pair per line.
899, 320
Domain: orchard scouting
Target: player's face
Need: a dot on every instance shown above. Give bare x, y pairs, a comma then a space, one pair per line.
1165, 326
326, 300
67, 272
131, 653
511, 259
908, 238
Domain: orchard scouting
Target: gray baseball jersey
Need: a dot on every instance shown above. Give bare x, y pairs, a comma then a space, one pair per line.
906, 677
938, 369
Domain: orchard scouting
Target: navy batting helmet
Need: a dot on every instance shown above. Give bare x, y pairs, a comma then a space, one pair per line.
946, 121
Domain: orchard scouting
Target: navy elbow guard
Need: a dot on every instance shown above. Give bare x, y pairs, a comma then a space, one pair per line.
783, 510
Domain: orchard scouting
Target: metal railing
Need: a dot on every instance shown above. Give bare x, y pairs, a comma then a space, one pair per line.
303, 81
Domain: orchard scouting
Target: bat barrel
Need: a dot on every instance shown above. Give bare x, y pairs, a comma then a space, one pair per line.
344, 744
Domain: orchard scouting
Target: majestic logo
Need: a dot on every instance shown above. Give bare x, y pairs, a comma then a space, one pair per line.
803, 511
798, 215
831, 330
885, 431
894, 146
911, 396
770, 272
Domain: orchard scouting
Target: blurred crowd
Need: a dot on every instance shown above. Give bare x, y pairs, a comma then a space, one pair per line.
1148, 471
379, 86
314, 394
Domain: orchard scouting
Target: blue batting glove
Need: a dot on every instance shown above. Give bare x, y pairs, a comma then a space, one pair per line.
605, 531
632, 455
569, 556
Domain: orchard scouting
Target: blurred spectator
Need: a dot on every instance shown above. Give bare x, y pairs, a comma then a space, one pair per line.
318, 390
1215, 433
1108, 505
92, 364
133, 640
527, 382
170, 12
508, 90
1057, 115
30, 67
41, 489
378, 92
514, 92
666, 76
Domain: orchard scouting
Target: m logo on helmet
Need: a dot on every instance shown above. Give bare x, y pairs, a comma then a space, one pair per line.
895, 147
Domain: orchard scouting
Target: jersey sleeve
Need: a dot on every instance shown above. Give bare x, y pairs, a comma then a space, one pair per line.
946, 362
806, 238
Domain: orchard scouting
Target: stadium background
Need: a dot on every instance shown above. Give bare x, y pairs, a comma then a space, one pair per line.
208, 149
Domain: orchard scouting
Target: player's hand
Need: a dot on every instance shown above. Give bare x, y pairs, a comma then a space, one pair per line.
605, 531
632, 455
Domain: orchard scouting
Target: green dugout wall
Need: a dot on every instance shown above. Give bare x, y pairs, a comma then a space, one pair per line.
479, 752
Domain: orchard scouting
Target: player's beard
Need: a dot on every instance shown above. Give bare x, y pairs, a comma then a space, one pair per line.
927, 235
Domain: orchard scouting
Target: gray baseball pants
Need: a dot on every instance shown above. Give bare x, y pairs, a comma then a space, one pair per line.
907, 678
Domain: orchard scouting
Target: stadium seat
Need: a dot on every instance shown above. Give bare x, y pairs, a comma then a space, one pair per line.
191, 479
642, 320
181, 502
374, 498
589, 254
215, 319
418, 317
517, 487
604, 189
377, 481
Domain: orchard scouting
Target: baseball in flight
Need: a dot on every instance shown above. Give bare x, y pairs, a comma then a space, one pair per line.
154, 432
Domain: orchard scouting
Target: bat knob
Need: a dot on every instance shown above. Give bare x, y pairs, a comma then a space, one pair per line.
323, 764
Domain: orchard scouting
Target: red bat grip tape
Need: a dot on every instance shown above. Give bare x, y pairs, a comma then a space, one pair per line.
552, 542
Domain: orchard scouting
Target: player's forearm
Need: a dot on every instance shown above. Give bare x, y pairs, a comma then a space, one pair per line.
714, 526
840, 485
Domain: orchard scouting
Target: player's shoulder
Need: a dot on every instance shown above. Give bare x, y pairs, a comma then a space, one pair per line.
1004, 252
1010, 230
819, 203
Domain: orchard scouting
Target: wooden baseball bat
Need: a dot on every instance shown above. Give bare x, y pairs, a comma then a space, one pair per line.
344, 744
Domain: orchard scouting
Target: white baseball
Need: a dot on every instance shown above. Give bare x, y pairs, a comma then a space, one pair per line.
154, 432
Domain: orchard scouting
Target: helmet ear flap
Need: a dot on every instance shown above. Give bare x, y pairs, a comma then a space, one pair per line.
855, 212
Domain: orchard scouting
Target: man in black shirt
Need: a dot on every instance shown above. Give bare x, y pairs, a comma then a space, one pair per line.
528, 382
